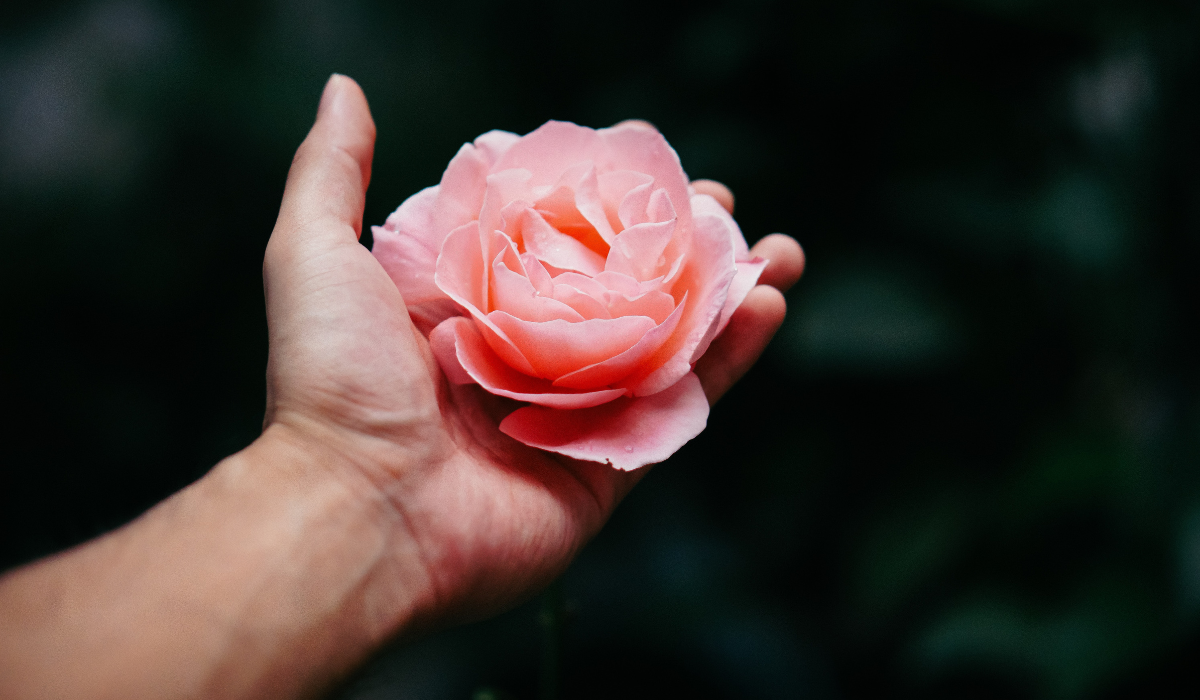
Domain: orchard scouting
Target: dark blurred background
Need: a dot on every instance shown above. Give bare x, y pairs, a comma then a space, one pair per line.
968, 466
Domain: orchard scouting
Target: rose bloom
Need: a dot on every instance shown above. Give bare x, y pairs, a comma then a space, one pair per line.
577, 271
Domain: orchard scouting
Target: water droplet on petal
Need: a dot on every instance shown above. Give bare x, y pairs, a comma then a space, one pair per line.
629, 448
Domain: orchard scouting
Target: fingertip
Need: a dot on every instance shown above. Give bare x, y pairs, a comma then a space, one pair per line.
346, 115
768, 304
735, 351
330, 172
638, 123
787, 260
717, 191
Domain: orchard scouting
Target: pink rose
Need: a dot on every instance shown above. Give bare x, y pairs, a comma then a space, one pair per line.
575, 270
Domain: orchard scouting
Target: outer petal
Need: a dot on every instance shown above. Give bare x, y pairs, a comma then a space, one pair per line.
466, 357
627, 433
495, 143
705, 205
408, 243
550, 149
407, 247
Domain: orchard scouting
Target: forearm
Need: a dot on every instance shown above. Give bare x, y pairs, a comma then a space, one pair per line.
269, 577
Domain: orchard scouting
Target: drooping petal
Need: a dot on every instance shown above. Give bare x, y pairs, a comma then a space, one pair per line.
463, 353
627, 433
555, 348
743, 282
407, 247
618, 367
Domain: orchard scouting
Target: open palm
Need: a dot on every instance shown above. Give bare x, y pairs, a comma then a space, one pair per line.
487, 519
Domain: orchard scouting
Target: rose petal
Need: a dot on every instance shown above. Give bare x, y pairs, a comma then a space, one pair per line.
646, 151
442, 342
614, 188
584, 304
502, 189
559, 205
619, 282
461, 275
660, 208
514, 293
460, 267
627, 433
745, 279
555, 348
707, 272
705, 205
657, 305
407, 248
536, 272
465, 355
616, 368
633, 206
590, 204
550, 149
583, 283
638, 250
495, 143
556, 248
460, 192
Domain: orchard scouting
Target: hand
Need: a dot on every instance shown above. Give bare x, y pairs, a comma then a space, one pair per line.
378, 500
489, 519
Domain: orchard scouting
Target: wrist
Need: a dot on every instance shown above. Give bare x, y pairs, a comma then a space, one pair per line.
272, 576
341, 572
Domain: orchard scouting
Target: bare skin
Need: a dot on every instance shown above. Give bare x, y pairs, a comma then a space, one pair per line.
379, 500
